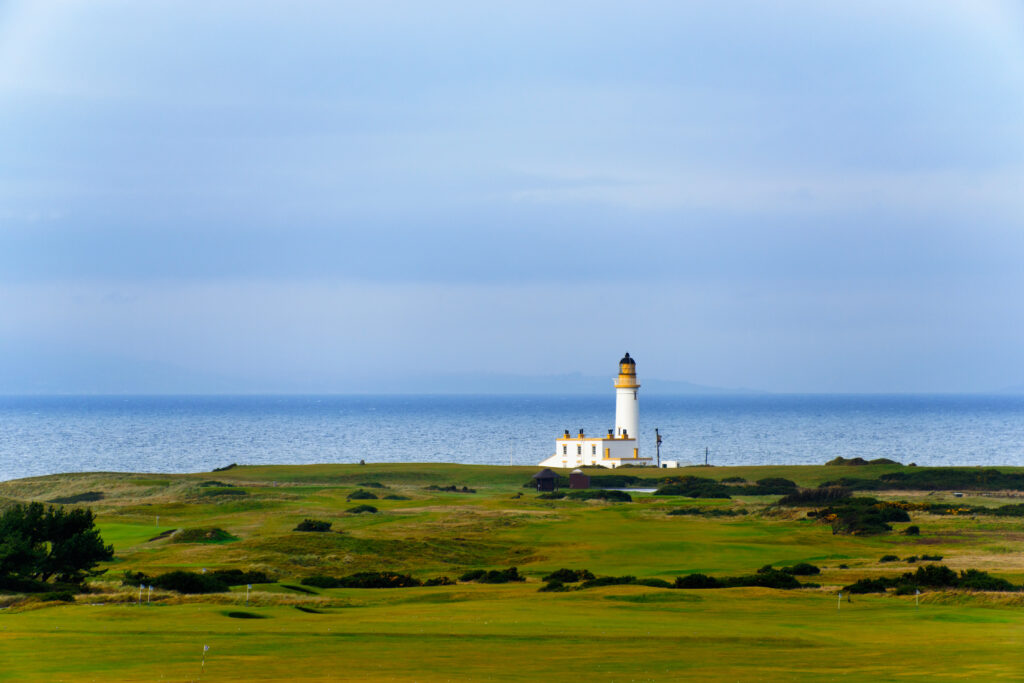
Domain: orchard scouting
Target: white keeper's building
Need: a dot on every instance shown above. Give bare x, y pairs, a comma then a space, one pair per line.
619, 447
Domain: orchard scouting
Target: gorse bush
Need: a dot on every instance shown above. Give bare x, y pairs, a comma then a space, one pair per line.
569, 575
360, 494
708, 512
192, 582
359, 509
697, 581
600, 494
861, 516
313, 525
189, 582
934, 576
363, 580
820, 496
695, 487
493, 575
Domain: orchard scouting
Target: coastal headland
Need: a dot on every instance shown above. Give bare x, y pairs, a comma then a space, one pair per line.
875, 606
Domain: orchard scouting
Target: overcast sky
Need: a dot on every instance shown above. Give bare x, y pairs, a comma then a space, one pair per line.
266, 196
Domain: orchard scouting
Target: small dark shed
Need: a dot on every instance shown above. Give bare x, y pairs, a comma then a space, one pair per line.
546, 480
578, 480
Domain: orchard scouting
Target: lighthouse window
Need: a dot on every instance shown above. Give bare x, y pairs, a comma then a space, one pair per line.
565, 450
579, 450
593, 449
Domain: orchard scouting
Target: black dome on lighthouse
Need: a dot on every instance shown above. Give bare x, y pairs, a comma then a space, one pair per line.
627, 359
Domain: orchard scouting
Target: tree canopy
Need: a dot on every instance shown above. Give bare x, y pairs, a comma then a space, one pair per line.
39, 543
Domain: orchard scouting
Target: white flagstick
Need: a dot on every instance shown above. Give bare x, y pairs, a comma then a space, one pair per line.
917, 598
150, 596
248, 587
203, 666
839, 603
140, 593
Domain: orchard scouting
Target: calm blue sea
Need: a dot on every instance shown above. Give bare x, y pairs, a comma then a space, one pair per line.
43, 435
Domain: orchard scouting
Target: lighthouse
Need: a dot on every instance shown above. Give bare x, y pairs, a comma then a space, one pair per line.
619, 446
627, 402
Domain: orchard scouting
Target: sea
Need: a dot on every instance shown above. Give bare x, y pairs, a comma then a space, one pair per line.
51, 434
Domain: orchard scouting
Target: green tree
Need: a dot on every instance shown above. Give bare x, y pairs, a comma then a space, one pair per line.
40, 543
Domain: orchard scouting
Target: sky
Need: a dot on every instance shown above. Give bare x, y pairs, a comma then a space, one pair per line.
358, 197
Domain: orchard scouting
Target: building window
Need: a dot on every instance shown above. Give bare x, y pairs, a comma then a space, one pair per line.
593, 449
579, 450
565, 450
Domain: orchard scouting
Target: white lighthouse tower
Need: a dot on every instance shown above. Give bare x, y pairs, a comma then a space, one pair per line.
619, 447
627, 404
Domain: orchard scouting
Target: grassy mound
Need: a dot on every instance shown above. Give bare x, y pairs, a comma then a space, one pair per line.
202, 535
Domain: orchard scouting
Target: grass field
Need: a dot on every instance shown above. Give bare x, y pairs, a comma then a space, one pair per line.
508, 631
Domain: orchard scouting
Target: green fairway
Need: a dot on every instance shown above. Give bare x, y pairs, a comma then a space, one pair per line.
471, 631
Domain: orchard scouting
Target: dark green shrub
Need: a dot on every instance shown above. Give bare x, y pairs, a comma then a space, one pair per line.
912, 530
236, 577
313, 525
888, 558
802, 569
708, 512
552, 495
17, 584
320, 581
372, 484
822, 495
777, 483
569, 575
87, 497
694, 487
360, 494
697, 581
733, 480
395, 496
202, 535
501, 576
653, 583
975, 580
493, 575
600, 494
439, 581
55, 596
910, 560
608, 581
905, 589
362, 580
933, 575
452, 488
359, 509
765, 579
189, 582
869, 586
378, 580
931, 558
553, 587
